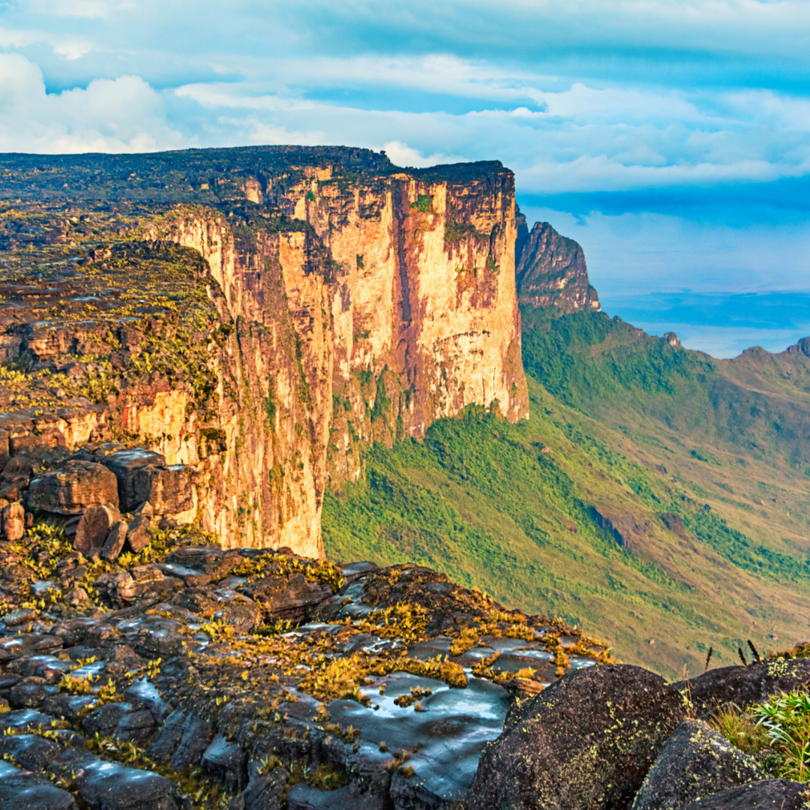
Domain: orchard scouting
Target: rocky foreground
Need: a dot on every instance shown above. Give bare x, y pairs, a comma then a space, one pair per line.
145, 667
142, 667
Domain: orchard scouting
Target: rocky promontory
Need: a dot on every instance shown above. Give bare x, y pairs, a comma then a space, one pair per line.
551, 270
256, 315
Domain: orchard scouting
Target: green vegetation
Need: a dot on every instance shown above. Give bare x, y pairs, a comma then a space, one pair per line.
630, 501
777, 731
423, 204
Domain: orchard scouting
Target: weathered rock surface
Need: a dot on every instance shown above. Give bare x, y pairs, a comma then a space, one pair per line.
21, 789
696, 761
769, 794
743, 686
588, 741
209, 672
73, 488
94, 528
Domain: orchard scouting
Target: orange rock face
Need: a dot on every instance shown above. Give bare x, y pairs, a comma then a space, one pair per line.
355, 306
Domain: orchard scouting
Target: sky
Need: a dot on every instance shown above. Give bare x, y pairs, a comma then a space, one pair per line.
669, 137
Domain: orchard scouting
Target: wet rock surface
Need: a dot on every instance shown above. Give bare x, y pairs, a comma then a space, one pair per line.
191, 676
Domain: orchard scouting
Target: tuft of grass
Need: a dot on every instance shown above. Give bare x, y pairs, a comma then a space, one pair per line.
741, 729
786, 721
776, 732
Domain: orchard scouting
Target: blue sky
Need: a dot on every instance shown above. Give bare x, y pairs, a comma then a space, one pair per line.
669, 137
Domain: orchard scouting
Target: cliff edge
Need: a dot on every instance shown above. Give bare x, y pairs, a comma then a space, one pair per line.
253, 315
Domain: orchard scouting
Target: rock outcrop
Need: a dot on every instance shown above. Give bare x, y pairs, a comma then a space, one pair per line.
191, 676
551, 270
696, 761
586, 742
253, 322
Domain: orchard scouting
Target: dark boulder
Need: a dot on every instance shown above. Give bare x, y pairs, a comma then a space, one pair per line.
196, 738
769, 794
72, 488
745, 685
227, 763
267, 791
20, 790
586, 741
133, 483
295, 598
106, 718
28, 750
138, 537
143, 476
110, 786
114, 544
94, 528
696, 761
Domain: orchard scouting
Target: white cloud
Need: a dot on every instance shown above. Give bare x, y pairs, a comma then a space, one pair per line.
120, 115
85, 9
403, 155
64, 46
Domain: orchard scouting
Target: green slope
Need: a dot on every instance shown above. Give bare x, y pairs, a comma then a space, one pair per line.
629, 501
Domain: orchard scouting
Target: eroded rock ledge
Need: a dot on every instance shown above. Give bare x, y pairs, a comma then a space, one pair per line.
190, 676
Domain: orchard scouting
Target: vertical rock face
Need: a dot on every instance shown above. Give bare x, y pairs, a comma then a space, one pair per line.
551, 270
355, 302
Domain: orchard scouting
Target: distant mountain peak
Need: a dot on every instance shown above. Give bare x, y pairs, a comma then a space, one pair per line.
551, 270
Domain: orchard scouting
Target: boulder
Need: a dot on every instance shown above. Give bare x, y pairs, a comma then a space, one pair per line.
586, 741
94, 528
171, 491
267, 791
110, 786
138, 727
72, 488
768, 794
114, 544
106, 718
128, 466
227, 763
12, 518
29, 750
195, 739
119, 589
142, 475
696, 761
744, 685
295, 598
20, 789
138, 533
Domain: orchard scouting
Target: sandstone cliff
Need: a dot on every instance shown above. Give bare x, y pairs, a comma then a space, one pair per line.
551, 270
319, 299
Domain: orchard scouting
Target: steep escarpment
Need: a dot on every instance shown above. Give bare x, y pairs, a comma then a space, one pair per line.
344, 302
551, 270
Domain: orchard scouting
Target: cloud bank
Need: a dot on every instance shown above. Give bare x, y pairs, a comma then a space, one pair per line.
668, 122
